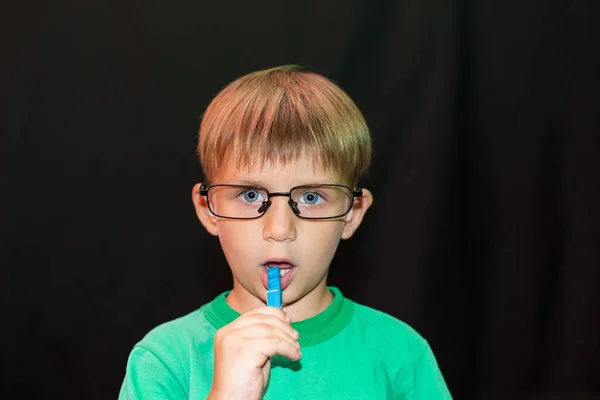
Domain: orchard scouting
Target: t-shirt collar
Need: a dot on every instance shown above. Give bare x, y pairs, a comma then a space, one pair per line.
317, 329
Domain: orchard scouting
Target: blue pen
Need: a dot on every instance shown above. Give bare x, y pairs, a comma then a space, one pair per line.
274, 287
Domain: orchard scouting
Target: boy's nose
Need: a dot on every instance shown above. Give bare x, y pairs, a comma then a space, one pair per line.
279, 221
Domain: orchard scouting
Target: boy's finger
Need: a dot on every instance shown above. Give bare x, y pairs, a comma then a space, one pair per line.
277, 312
267, 330
262, 320
269, 346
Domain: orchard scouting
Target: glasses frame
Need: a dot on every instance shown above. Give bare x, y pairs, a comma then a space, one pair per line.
204, 188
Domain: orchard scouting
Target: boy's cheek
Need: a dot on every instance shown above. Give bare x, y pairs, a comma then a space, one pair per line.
237, 236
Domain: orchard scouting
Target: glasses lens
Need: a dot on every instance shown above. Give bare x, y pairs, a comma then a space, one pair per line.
322, 201
236, 201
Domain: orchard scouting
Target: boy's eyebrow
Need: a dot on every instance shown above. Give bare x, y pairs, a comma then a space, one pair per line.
247, 182
241, 181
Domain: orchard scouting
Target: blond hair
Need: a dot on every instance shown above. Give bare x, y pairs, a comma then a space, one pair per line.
277, 115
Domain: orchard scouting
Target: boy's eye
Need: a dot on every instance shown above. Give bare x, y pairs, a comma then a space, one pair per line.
252, 196
310, 198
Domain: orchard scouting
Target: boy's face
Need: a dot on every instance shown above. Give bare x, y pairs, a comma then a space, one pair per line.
279, 236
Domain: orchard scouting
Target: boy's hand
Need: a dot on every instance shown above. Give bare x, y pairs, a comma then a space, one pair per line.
242, 350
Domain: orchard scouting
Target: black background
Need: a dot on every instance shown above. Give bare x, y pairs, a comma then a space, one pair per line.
483, 235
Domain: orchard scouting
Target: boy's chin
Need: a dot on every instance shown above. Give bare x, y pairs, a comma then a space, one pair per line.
295, 293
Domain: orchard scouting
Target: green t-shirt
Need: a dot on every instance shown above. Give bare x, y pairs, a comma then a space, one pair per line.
349, 351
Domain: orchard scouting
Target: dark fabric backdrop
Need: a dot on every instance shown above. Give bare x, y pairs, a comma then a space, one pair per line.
484, 233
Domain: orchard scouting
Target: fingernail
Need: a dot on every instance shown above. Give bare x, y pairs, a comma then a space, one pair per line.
296, 334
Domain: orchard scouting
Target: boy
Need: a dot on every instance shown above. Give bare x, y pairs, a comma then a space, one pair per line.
283, 151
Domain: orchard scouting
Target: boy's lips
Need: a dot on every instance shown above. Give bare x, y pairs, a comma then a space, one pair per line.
283, 265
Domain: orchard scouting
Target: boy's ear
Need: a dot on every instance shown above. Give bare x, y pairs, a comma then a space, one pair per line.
356, 214
204, 215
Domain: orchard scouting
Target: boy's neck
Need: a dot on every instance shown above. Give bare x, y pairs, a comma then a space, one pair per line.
306, 307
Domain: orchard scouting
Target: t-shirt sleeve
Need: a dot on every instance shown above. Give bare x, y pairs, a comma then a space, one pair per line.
148, 377
428, 382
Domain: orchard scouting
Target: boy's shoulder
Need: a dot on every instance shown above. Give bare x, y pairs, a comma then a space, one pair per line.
403, 350
193, 327
389, 333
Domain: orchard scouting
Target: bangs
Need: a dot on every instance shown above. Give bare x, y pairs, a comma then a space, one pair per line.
276, 116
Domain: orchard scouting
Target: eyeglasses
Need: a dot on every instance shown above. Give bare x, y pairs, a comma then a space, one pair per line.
307, 202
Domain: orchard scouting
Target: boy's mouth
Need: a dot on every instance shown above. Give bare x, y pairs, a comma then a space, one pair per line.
286, 272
